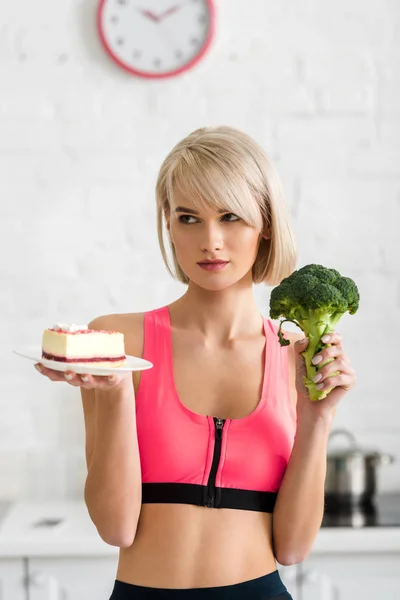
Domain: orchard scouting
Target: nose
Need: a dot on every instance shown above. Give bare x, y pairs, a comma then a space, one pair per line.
212, 240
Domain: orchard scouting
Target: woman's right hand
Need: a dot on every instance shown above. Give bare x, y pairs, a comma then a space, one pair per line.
88, 382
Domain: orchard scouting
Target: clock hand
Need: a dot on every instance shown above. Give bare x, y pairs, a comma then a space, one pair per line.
170, 11
150, 15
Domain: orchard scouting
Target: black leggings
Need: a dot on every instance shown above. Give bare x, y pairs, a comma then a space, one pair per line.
267, 587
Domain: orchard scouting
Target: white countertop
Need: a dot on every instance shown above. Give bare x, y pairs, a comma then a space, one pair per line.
76, 535
347, 540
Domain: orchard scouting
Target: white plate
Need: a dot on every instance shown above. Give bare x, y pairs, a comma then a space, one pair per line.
132, 363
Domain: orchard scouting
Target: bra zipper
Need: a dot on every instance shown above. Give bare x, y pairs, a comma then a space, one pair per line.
211, 490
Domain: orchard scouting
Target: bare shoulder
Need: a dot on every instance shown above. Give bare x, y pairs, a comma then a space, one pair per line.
130, 324
292, 336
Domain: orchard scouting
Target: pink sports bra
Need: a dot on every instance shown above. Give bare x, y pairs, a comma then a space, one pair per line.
187, 458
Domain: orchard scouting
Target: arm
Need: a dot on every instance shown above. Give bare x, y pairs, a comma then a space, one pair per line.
299, 507
113, 484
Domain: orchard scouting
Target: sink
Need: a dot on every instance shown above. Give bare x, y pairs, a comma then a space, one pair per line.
48, 523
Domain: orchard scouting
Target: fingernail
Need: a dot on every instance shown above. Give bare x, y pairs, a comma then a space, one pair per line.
316, 360
85, 379
68, 376
319, 386
326, 338
317, 377
111, 379
303, 341
38, 368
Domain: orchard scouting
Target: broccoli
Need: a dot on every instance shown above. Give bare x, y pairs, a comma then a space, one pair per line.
314, 298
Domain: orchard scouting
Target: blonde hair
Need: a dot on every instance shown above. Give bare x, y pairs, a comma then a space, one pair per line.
223, 168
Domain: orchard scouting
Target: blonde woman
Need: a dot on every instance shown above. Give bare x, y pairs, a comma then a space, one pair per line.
209, 469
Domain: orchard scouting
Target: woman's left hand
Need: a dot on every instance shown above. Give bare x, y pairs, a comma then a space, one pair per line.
341, 383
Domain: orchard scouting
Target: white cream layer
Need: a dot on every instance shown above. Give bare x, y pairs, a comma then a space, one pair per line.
96, 344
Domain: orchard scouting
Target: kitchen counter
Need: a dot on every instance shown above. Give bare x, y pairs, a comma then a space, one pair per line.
64, 528
61, 528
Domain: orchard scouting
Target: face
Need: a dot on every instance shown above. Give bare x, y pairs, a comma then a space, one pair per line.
202, 235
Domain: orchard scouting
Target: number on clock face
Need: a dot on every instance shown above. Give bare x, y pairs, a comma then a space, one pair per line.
156, 38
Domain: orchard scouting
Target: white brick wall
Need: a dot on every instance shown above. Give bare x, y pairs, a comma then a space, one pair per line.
316, 83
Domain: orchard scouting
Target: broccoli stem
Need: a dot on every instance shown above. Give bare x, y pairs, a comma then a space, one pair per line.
314, 326
282, 340
314, 330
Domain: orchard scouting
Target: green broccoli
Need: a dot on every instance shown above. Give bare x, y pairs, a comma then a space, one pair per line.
314, 298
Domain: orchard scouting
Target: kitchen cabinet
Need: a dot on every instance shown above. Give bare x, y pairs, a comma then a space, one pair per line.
349, 576
61, 578
289, 576
53, 552
70, 578
12, 579
319, 577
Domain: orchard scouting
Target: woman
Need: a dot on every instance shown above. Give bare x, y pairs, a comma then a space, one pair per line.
209, 468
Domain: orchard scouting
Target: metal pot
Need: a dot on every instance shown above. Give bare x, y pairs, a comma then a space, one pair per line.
351, 477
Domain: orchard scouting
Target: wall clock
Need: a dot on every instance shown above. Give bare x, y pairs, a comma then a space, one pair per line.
156, 38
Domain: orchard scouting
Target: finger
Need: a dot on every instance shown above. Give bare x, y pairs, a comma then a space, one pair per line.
76, 380
86, 380
343, 380
332, 338
301, 345
324, 355
99, 382
95, 382
339, 364
50, 373
103, 383
73, 378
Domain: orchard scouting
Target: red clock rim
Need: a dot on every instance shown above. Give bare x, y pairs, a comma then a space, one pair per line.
197, 58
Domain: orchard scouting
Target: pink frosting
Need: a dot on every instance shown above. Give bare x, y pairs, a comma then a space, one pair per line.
81, 331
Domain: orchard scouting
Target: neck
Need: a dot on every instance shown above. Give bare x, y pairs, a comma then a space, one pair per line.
221, 315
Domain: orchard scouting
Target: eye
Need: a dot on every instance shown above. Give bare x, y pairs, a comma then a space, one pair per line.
230, 217
185, 219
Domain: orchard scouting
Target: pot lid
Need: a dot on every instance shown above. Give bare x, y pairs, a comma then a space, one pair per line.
351, 448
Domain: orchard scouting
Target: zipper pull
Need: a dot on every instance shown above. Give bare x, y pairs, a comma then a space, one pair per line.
219, 424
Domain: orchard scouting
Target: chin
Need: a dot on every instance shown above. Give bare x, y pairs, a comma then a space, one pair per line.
215, 283
215, 286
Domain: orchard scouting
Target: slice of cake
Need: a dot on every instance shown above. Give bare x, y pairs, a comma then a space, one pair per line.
78, 344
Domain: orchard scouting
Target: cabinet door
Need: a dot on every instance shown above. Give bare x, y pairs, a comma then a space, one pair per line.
314, 583
12, 579
350, 576
289, 577
71, 578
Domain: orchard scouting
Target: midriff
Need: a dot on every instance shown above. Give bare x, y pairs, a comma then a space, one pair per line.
185, 546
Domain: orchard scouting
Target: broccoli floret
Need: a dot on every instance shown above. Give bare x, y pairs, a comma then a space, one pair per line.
314, 298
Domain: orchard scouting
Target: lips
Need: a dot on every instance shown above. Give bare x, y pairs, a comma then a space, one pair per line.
213, 265
213, 262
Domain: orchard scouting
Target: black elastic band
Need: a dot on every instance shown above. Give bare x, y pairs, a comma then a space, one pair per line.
190, 493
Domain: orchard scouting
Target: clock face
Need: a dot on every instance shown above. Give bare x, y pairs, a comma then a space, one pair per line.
156, 38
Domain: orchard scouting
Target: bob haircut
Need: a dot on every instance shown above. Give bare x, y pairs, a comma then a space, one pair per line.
224, 168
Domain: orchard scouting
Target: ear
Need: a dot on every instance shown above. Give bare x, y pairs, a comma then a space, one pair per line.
167, 220
168, 228
266, 234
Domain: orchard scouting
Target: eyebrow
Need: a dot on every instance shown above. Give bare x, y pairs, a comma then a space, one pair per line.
182, 209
